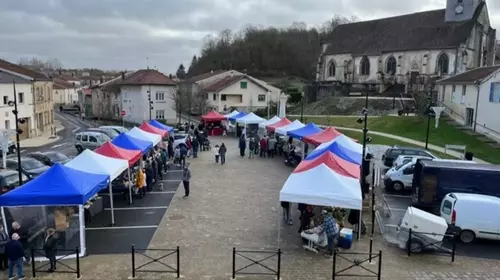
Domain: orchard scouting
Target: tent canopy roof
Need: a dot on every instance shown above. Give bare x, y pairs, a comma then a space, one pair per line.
300, 133
58, 186
95, 163
273, 120
159, 125
250, 119
110, 150
282, 122
334, 162
233, 113
145, 136
322, 186
212, 116
344, 141
326, 135
151, 129
128, 142
239, 115
338, 149
296, 124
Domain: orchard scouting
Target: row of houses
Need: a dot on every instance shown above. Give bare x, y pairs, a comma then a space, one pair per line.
149, 94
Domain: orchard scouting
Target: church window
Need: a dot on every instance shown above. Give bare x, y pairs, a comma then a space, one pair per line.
391, 66
443, 63
365, 66
331, 69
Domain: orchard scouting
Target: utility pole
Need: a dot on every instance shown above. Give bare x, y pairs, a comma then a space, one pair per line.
18, 149
150, 103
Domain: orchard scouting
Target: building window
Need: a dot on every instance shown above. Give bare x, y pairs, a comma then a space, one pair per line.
443, 93
262, 98
7, 124
223, 97
391, 66
464, 94
214, 97
243, 85
21, 97
365, 66
331, 68
443, 63
453, 89
160, 114
160, 96
5, 100
495, 92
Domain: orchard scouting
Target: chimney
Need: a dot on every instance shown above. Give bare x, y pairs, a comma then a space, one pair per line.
123, 75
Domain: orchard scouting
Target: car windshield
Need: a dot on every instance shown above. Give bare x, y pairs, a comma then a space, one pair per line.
13, 180
402, 165
179, 136
55, 156
29, 164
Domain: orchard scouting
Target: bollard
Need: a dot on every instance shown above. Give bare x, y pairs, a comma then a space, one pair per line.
77, 262
234, 262
33, 269
379, 276
133, 261
279, 265
178, 263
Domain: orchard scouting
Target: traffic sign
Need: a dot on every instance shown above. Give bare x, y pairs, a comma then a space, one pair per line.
123, 113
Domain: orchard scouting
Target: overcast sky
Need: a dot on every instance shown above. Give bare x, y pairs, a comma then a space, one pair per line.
120, 34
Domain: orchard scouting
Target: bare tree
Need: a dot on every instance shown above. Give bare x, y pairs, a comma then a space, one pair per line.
199, 103
36, 63
181, 101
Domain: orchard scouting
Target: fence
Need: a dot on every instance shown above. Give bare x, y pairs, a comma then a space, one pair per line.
41, 252
156, 260
270, 271
420, 241
367, 258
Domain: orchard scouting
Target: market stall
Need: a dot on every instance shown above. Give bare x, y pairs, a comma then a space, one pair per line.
296, 124
54, 195
250, 123
271, 121
95, 163
281, 123
343, 147
145, 136
128, 142
212, 120
326, 135
112, 151
159, 125
232, 114
154, 130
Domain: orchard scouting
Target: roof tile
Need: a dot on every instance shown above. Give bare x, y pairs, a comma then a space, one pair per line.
23, 71
147, 77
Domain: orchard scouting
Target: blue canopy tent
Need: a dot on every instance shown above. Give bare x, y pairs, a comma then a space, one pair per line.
337, 149
239, 115
307, 130
159, 125
131, 143
58, 186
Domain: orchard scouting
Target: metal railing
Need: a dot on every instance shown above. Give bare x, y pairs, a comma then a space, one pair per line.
417, 242
156, 260
41, 252
356, 263
271, 271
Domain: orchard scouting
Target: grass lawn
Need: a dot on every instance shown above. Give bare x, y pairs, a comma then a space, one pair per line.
381, 140
415, 128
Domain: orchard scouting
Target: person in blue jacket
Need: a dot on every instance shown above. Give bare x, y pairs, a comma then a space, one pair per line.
15, 253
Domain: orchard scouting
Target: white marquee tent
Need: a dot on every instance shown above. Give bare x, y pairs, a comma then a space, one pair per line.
250, 119
143, 135
271, 121
232, 114
296, 124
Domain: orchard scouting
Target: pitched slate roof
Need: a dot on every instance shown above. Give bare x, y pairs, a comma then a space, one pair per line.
7, 78
147, 77
23, 71
423, 30
204, 76
471, 76
229, 80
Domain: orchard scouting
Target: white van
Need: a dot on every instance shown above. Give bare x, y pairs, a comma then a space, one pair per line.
474, 215
400, 178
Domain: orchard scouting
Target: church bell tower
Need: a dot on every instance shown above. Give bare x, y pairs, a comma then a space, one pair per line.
460, 10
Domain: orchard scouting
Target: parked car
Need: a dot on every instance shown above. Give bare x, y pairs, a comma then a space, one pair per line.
30, 167
90, 140
394, 152
9, 180
404, 159
50, 158
472, 215
111, 133
180, 139
119, 129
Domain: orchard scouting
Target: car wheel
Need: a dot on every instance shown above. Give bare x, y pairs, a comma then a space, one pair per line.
467, 236
79, 149
398, 186
416, 246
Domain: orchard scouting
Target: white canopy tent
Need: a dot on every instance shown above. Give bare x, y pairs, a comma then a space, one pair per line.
232, 114
271, 121
296, 124
250, 119
143, 135
95, 163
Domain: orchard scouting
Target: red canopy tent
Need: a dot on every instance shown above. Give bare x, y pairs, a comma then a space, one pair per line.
334, 162
110, 150
328, 134
151, 129
213, 116
282, 122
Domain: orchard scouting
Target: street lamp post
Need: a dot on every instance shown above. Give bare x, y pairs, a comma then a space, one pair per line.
18, 131
302, 107
429, 112
150, 103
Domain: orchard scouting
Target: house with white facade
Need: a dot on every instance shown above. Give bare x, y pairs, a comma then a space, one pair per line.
25, 104
408, 51
64, 93
472, 99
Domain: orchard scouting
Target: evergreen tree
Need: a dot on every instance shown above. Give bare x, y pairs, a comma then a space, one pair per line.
181, 72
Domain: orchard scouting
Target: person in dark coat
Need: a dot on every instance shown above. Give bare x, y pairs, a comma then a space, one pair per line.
222, 153
15, 253
4, 238
242, 145
50, 248
23, 238
184, 152
149, 176
170, 148
196, 146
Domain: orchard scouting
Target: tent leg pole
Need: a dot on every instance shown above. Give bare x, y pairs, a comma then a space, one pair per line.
81, 217
303, 150
111, 202
130, 187
4, 219
359, 223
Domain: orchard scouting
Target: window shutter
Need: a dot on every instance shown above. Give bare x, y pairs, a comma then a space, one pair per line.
492, 92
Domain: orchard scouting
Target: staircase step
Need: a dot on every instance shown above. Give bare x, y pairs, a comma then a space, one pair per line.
487, 140
495, 145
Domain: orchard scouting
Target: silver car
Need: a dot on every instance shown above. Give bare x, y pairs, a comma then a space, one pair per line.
111, 133
90, 140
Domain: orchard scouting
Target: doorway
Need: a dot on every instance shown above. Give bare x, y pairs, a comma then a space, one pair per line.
469, 117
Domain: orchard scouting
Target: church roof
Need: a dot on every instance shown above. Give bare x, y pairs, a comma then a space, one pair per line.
477, 74
423, 30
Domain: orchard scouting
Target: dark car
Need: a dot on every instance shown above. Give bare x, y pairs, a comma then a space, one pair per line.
9, 180
29, 166
392, 154
50, 158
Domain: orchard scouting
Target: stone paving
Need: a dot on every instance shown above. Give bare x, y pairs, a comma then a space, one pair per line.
237, 205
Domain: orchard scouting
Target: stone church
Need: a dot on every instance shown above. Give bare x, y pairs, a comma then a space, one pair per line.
408, 52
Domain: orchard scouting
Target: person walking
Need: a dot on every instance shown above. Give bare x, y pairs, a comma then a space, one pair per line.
50, 248
271, 147
251, 147
222, 153
286, 212
216, 152
242, 145
263, 147
4, 238
23, 238
196, 145
186, 178
184, 152
149, 176
15, 253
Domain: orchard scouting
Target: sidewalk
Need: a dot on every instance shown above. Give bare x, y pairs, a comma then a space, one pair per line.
43, 139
